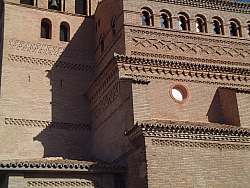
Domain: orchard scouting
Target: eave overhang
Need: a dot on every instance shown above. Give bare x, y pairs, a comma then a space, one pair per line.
59, 165
185, 130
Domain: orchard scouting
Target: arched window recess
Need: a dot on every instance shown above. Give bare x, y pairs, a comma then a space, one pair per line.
183, 21
64, 32
235, 28
201, 24
46, 28
165, 19
146, 16
217, 25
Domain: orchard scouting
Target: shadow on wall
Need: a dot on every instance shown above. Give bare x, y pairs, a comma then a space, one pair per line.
1, 39
69, 78
224, 108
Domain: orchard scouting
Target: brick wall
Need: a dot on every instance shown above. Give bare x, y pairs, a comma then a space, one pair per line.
194, 166
153, 101
16, 181
45, 80
109, 28
204, 103
109, 141
243, 107
134, 8
137, 167
27, 142
161, 43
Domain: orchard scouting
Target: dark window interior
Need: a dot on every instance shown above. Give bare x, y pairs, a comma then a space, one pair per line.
145, 18
233, 29
183, 23
46, 29
81, 7
217, 27
64, 32
27, 2
164, 21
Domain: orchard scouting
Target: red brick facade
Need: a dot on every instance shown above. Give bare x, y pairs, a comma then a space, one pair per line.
156, 91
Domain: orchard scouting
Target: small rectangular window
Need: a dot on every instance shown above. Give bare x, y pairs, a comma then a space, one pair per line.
27, 2
81, 7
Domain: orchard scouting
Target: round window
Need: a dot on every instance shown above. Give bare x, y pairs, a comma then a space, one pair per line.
178, 93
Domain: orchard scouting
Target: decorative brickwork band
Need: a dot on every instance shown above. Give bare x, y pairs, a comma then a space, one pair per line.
61, 184
184, 58
231, 6
190, 48
35, 48
220, 146
45, 124
46, 62
107, 99
139, 31
206, 73
182, 65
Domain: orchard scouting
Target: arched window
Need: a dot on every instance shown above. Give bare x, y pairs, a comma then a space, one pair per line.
81, 7
218, 26
54, 4
248, 28
27, 2
183, 21
64, 32
201, 24
235, 29
147, 17
165, 19
46, 28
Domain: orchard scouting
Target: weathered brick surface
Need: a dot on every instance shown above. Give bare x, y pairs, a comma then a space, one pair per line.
243, 107
182, 166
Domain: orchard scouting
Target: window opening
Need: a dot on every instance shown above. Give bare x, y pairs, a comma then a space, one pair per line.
81, 7
46, 29
54, 4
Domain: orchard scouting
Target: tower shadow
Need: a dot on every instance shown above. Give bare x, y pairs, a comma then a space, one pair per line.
68, 135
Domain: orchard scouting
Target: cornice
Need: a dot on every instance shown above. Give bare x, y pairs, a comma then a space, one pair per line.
189, 131
146, 69
51, 164
188, 59
222, 5
170, 64
196, 79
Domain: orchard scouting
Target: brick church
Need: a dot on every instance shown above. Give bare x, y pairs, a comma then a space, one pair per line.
124, 94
